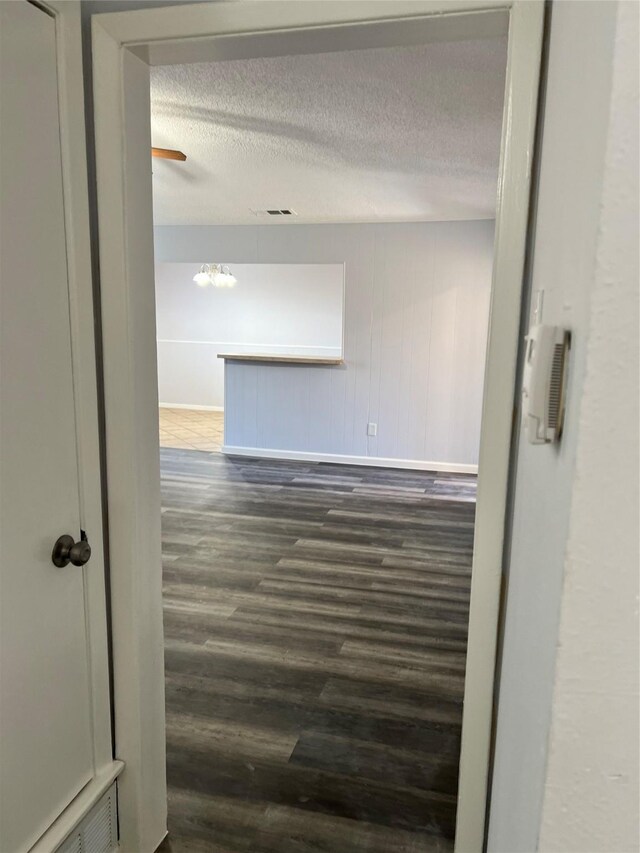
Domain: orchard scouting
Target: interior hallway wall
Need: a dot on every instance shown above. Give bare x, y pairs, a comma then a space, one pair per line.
416, 322
275, 308
565, 772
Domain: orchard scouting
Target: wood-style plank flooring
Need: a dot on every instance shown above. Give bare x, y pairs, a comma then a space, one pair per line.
315, 624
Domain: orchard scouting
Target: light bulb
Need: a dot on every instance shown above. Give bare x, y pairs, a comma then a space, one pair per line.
203, 277
227, 279
219, 275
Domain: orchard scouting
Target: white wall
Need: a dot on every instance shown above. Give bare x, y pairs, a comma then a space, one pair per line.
274, 308
416, 316
583, 491
591, 798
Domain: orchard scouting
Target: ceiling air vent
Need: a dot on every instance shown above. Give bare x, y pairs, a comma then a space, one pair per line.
273, 211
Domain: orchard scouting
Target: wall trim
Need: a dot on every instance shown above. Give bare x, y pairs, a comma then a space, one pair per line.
343, 459
195, 406
286, 348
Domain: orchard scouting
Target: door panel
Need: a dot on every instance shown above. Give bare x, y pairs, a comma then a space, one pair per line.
45, 719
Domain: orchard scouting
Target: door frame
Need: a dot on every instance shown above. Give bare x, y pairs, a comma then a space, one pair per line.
125, 44
83, 354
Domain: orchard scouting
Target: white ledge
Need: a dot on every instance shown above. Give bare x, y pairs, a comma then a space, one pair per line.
281, 359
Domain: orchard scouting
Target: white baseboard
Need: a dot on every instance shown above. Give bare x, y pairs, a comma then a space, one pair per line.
191, 406
78, 809
343, 459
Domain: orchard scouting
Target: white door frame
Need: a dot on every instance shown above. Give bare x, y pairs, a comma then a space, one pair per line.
124, 45
76, 216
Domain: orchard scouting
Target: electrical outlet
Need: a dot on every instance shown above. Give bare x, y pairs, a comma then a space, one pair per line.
372, 429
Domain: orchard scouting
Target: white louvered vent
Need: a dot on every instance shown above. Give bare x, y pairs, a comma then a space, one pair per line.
73, 844
275, 211
98, 832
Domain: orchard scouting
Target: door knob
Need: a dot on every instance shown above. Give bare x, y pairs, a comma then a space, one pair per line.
67, 551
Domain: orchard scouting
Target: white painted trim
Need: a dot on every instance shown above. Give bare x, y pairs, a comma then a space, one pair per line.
206, 32
285, 349
512, 215
343, 459
122, 92
122, 43
191, 406
78, 809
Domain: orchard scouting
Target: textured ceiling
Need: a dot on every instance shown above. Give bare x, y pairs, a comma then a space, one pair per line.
386, 134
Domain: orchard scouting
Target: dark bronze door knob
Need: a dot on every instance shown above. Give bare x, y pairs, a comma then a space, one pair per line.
67, 551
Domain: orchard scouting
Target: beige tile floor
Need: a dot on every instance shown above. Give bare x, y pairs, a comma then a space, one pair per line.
191, 429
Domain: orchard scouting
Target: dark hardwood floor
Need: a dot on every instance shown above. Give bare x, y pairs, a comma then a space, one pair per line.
315, 624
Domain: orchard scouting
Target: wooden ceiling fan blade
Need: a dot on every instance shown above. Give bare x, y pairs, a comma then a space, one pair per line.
168, 154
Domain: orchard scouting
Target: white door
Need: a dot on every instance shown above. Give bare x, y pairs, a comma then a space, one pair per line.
45, 712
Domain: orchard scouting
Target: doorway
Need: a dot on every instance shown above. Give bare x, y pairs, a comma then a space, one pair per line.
128, 435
